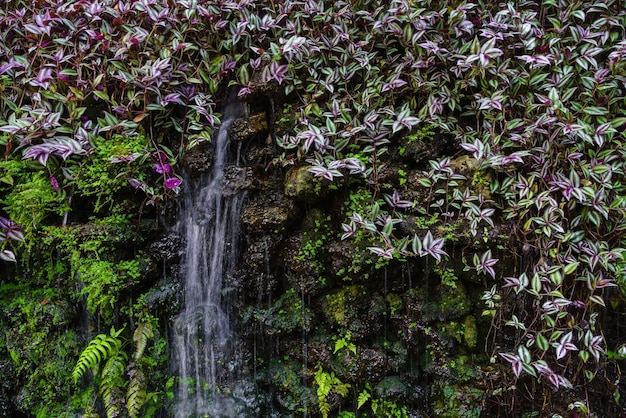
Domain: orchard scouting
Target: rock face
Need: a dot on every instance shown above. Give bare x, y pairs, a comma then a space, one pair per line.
313, 309
314, 306
244, 128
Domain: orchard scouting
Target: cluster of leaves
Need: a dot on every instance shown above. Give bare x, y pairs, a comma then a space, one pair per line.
9, 230
108, 361
533, 92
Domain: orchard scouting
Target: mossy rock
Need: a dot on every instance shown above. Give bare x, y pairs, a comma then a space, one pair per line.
292, 395
342, 307
392, 387
463, 331
287, 314
302, 185
456, 401
268, 213
443, 303
356, 309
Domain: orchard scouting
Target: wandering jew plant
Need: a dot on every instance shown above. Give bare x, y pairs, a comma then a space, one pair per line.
530, 93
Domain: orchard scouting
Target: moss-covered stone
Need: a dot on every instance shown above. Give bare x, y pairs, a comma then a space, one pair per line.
287, 314
302, 185
268, 213
456, 401
355, 309
443, 303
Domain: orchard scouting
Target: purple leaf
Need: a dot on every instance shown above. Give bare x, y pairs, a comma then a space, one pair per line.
388, 253
7, 255
54, 182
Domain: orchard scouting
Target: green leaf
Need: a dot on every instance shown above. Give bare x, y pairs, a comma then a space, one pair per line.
363, 398
102, 94
542, 341
596, 110
597, 300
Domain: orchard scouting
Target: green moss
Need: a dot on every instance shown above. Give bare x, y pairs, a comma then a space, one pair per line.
340, 306
41, 348
395, 303
293, 394
443, 303
101, 177
30, 199
286, 315
456, 401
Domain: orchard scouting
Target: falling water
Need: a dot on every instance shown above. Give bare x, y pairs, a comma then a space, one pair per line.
204, 347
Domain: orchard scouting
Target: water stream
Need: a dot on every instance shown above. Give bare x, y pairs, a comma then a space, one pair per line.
205, 352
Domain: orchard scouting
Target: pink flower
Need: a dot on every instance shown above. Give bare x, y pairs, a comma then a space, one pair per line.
162, 168
172, 183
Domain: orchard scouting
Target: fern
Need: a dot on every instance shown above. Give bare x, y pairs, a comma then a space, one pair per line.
99, 349
327, 382
111, 381
140, 338
136, 395
363, 398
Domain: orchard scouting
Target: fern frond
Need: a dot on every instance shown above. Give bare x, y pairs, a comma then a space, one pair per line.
110, 382
136, 395
141, 336
98, 350
363, 398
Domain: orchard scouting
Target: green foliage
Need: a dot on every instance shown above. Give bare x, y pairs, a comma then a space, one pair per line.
533, 92
345, 342
110, 363
364, 396
100, 175
288, 314
384, 408
39, 347
103, 347
29, 198
136, 394
106, 280
327, 383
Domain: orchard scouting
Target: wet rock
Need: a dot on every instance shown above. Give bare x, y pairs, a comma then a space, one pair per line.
478, 179
268, 213
354, 308
291, 395
304, 273
286, 315
237, 179
340, 257
167, 248
164, 296
463, 332
452, 401
302, 185
244, 128
443, 303
421, 147
373, 365
391, 387
198, 160
319, 353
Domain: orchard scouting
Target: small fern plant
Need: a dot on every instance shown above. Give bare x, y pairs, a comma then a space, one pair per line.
101, 348
136, 393
106, 351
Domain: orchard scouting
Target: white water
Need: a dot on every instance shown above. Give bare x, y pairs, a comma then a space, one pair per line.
203, 336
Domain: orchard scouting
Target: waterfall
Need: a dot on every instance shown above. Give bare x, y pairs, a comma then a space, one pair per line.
204, 356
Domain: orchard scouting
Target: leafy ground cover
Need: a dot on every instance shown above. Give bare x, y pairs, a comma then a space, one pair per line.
531, 94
